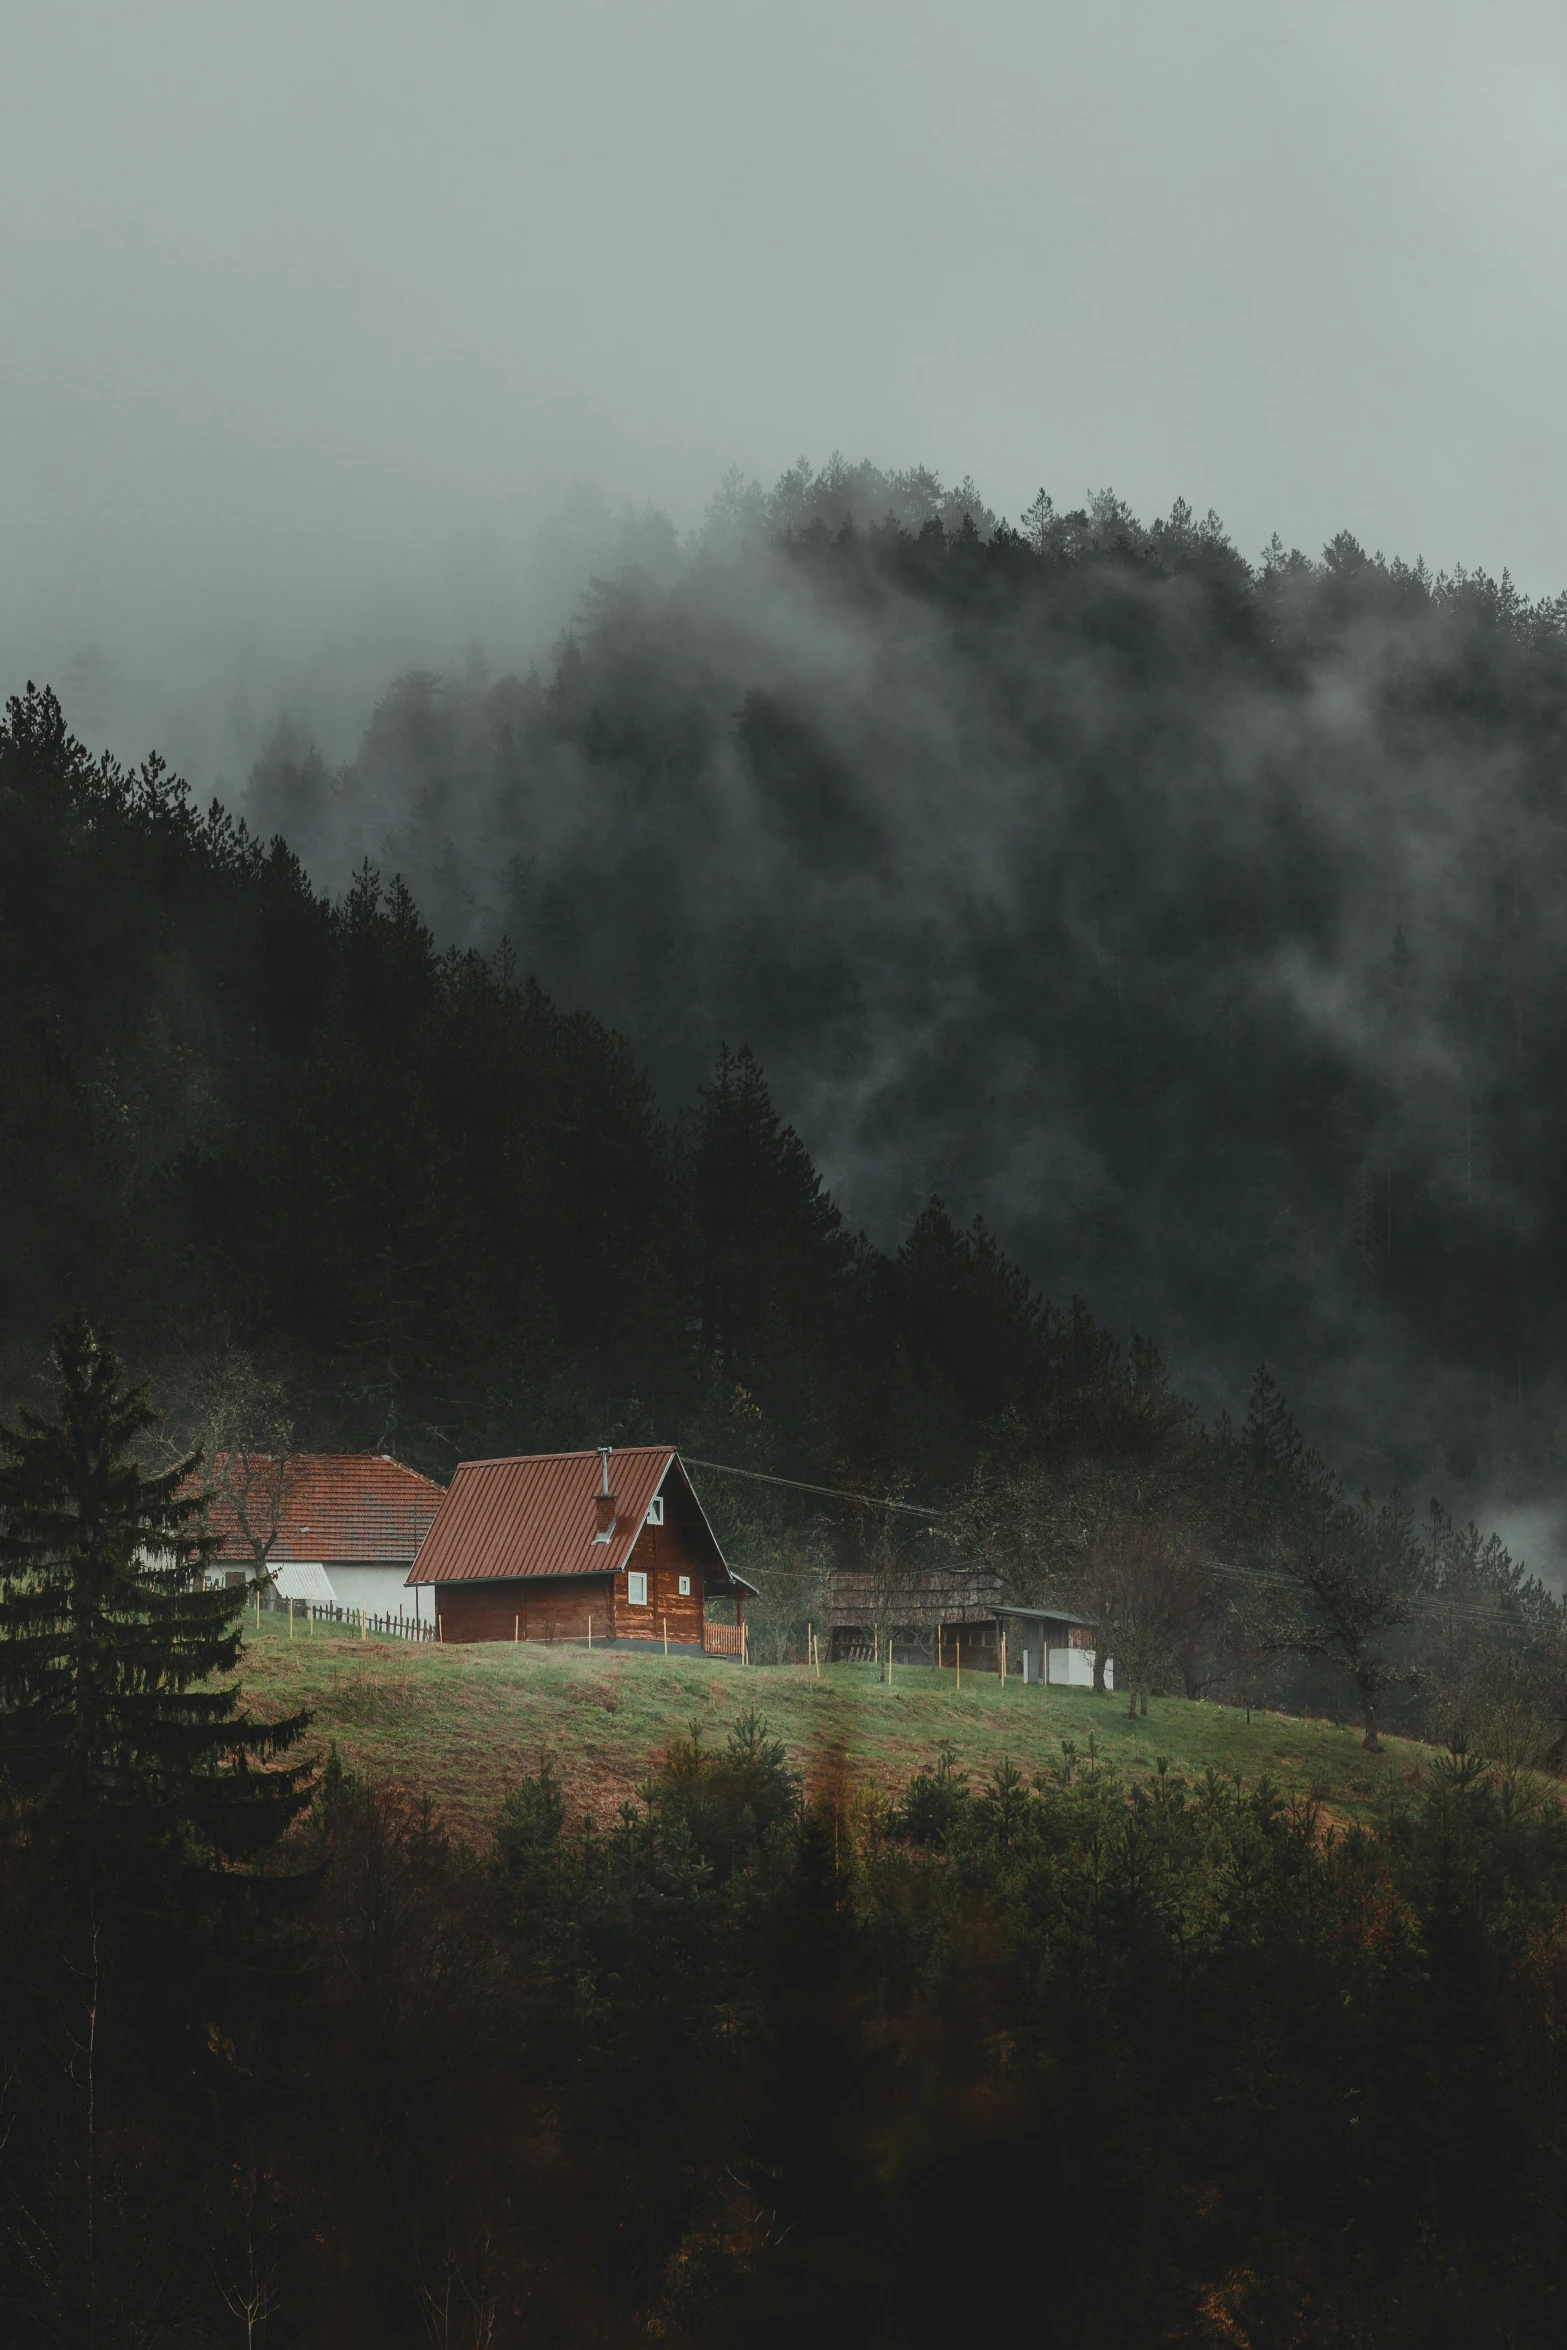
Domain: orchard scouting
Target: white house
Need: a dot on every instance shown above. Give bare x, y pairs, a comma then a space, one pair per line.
339, 1529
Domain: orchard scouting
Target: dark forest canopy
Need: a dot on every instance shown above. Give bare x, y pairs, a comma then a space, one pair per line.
1194, 921
248, 1124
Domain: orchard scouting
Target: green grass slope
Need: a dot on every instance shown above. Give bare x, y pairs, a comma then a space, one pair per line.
460, 1724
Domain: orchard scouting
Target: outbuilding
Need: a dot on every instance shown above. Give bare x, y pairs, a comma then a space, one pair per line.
611, 1545
956, 1616
1038, 1643
1047, 1644
911, 1609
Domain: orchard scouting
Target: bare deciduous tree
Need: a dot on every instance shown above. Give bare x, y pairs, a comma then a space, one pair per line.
225, 1405
1147, 1590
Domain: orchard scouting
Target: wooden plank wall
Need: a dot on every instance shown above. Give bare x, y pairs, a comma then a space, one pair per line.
664, 1554
553, 1607
557, 1607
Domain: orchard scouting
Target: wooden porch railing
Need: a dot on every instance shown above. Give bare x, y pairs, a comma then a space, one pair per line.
723, 1640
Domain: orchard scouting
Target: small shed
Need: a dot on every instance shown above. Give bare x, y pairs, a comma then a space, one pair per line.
608, 1546
1048, 1644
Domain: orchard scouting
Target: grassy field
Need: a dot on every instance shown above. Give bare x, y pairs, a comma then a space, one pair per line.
460, 1724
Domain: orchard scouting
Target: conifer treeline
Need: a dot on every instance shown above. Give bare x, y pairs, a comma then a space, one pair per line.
1190, 916
337, 1187
234, 1114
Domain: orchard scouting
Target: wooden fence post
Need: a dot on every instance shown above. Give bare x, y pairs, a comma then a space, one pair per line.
664, 1623
291, 1619
516, 1630
957, 1660
439, 1632
590, 1635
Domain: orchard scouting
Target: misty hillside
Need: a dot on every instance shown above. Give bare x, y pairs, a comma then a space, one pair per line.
1197, 922
315, 1170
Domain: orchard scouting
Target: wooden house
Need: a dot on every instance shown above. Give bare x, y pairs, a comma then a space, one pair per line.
335, 1529
607, 1546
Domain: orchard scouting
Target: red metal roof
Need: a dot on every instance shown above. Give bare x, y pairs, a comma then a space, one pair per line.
345, 1506
534, 1515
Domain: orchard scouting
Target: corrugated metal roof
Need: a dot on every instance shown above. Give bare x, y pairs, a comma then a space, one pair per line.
1049, 1615
307, 1580
534, 1515
350, 1506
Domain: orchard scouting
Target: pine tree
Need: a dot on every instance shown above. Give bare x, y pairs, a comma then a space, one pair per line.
771, 1250
109, 1639
140, 1787
133, 1791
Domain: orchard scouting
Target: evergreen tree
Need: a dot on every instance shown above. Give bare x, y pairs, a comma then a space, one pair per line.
108, 1637
132, 1791
771, 1251
129, 1768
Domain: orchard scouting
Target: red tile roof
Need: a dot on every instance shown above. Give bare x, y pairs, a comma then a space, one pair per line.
345, 1506
534, 1515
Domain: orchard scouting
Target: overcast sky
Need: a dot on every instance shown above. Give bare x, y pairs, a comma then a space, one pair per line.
313, 307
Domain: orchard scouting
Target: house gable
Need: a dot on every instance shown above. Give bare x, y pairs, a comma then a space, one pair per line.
537, 1517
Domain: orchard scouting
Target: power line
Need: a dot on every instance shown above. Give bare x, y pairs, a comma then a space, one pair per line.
907, 1509
1422, 1604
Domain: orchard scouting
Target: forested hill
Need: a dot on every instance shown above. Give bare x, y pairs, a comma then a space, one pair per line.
1197, 922
429, 1211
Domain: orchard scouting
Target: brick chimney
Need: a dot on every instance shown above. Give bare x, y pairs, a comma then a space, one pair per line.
603, 1500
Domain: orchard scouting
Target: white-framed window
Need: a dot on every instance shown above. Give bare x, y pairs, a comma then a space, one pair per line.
685, 1586
636, 1590
655, 1510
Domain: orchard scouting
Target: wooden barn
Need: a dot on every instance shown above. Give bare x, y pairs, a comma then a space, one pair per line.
864, 1609
611, 1546
939, 1616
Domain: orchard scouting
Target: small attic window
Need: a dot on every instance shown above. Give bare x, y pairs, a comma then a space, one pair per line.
655, 1510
